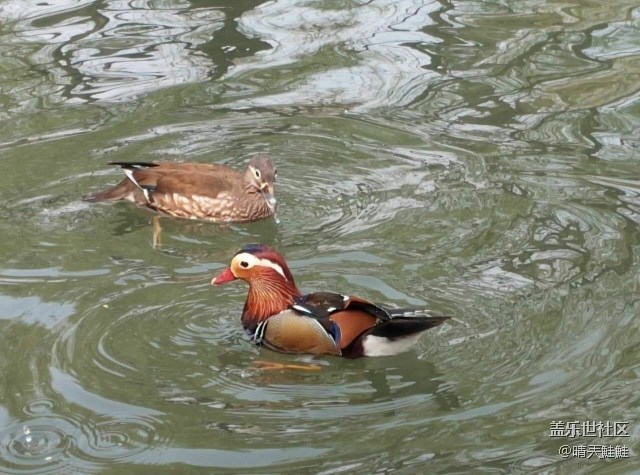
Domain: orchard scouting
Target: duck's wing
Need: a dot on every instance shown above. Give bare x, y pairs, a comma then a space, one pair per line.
363, 328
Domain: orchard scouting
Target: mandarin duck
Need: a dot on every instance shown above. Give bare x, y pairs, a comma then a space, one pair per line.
211, 192
277, 316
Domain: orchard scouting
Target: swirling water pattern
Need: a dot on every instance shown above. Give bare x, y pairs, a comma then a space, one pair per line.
478, 157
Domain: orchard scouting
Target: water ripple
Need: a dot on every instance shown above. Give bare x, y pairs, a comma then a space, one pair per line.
475, 157
125, 53
370, 49
39, 445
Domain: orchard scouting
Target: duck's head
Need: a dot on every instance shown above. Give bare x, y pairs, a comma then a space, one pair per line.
254, 263
271, 285
260, 177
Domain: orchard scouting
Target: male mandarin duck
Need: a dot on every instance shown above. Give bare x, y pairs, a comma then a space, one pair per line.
211, 192
276, 315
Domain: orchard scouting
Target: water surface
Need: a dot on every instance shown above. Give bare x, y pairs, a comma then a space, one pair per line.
476, 157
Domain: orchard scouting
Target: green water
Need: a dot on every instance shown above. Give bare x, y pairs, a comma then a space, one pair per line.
478, 157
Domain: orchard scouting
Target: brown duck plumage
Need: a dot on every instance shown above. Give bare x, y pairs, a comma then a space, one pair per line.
278, 316
211, 192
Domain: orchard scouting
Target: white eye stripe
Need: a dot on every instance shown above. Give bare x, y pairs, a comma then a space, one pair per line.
273, 265
254, 261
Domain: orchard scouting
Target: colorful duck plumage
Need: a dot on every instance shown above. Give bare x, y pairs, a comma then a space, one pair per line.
276, 315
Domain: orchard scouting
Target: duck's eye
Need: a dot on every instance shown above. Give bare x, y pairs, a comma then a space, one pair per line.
275, 174
257, 173
244, 264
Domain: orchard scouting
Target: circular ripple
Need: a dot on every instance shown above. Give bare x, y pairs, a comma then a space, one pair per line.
125, 439
38, 445
39, 407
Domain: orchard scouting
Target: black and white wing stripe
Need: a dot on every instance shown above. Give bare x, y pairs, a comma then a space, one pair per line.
323, 304
258, 335
129, 168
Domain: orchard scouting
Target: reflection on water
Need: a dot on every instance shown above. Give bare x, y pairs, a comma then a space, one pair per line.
477, 157
116, 50
356, 57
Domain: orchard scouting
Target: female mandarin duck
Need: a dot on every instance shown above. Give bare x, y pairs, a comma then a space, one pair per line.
211, 192
278, 316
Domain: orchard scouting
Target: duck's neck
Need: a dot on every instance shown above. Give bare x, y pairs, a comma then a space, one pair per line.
265, 299
255, 205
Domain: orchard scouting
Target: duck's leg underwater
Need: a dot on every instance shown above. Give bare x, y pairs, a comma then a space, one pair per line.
271, 366
157, 230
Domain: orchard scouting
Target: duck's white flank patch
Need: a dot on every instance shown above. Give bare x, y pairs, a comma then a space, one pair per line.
184, 200
382, 346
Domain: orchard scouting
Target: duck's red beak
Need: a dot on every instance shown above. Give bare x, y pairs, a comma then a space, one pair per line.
223, 277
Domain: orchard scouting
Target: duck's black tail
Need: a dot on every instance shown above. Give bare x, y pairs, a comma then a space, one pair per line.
392, 336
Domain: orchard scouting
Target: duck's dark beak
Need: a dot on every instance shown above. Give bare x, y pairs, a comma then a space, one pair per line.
223, 277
